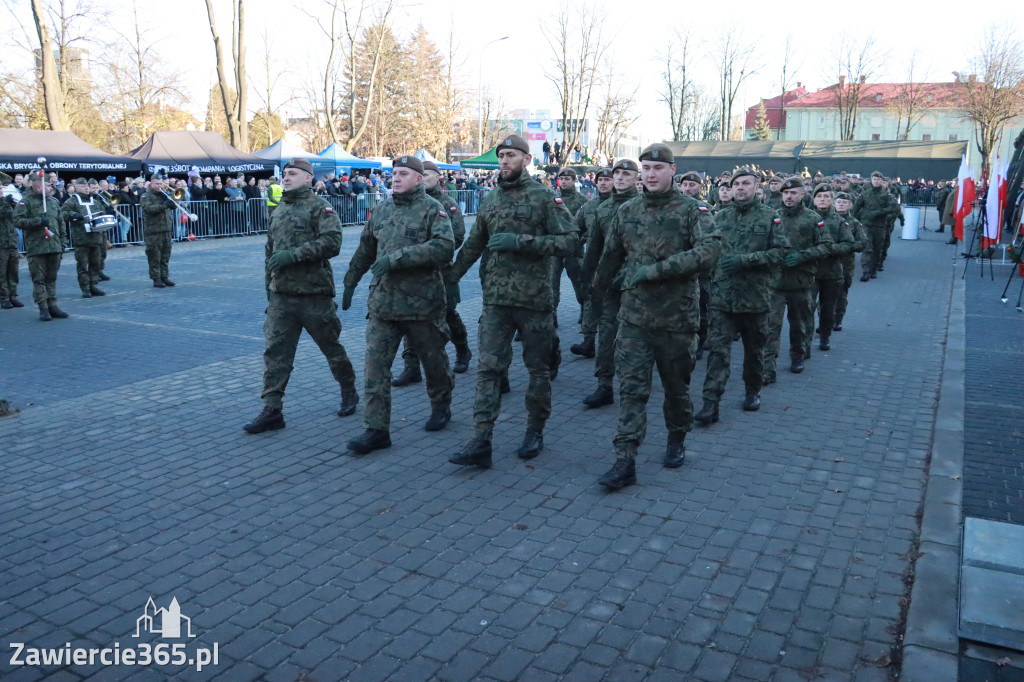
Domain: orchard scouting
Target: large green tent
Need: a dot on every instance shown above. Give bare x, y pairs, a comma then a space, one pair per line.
488, 160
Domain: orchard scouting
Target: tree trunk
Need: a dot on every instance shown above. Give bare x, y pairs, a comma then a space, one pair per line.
222, 80
52, 96
241, 80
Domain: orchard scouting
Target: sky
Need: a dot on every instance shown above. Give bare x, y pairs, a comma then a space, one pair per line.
638, 36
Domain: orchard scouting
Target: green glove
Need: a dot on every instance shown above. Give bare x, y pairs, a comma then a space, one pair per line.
346, 298
381, 267
642, 273
792, 260
730, 264
504, 241
280, 259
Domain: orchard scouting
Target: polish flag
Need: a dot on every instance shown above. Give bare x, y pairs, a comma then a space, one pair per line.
965, 196
994, 204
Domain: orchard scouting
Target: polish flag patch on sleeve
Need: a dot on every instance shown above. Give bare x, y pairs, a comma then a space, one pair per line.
452, 209
441, 213
821, 223
328, 209
704, 209
558, 200
777, 220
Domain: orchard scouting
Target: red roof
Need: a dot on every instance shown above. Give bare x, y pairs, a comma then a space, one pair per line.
883, 95
772, 108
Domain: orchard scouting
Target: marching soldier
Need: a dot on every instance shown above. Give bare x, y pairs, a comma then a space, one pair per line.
303, 236
406, 244
45, 239
829, 276
897, 215
78, 211
8, 252
573, 201
411, 373
660, 240
586, 222
625, 174
157, 227
849, 260
874, 208
690, 183
522, 224
793, 291
754, 243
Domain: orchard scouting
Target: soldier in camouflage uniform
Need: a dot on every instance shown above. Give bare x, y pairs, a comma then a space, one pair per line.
874, 208
660, 240
573, 201
8, 255
77, 211
586, 222
774, 198
691, 184
829, 276
157, 228
406, 245
411, 373
849, 260
607, 299
793, 293
304, 234
522, 224
754, 243
45, 239
894, 193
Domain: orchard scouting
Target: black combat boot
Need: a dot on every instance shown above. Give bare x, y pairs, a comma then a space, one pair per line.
556, 362
952, 240
410, 375
533, 443
96, 291
104, 277
838, 326
752, 402
601, 397
942, 228
44, 313
372, 439
168, 283
823, 344
349, 400
865, 277
56, 312
675, 453
874, 275
708, 414
622, 473
505, 388
86, 293
585, 349
881, 266
270, 419
158, 284
16, 303
769, 378
6, 305
438, 419
807, 352
796, 364
477, 453
462, 358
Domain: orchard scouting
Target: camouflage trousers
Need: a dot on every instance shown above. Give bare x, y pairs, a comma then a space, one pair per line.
286, 317
705, 300
43, 270
574, 267
797, 306
88, 264
826, 292
591, 313
843, 294
752, 328
637, 351
608, 329
888, 240
498, 324
8, 274
872, 256
428, 337
456, 329
158, 253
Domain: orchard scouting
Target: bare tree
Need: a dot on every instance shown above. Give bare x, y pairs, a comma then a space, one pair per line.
785, 82
854, 63
578, 47
701, 121
678, 93
615, 116
735, 59
912, 100
53, 98
993, 94
267, 126
237, 115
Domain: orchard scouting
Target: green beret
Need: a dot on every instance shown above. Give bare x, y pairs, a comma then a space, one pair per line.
410, 162
792, 183
513, 142
603, 173
877, 174
692, 176
775, 178
301, 164
626, 164
821, 187
567, 172
658, 152
744, 170
431, 166
844, 195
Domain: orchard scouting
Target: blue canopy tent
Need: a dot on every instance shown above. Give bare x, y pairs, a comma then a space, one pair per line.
282, 152
343, 161
424, 155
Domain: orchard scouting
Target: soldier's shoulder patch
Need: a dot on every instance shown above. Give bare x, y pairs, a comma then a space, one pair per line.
328, 209
441, 214
558, 200
776, 220
453, 208
821, 223
846, 222
703, 209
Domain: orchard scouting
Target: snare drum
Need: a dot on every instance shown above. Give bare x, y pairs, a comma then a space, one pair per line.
102, 223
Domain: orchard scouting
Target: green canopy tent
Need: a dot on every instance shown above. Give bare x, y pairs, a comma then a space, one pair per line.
895, 158
487, 161
712, 158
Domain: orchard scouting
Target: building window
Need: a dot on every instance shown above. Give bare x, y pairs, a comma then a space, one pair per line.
927, 137
876, 136
953, 137
821, 121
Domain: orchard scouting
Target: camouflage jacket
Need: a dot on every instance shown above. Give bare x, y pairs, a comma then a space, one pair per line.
544, 227
26, 218
875, 207
774, 200
573, 201
676, 235
860, 235
839, 231
809, 239
754, 232
586, 217
605, 214
8, 235
73, 206
454, 213
157, 213
414, 232
307, 226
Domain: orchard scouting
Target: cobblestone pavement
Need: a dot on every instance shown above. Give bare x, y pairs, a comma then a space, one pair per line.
777, 552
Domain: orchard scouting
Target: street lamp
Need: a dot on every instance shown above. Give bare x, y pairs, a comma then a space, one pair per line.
480, 98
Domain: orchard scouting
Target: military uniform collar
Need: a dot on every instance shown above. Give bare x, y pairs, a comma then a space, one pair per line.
660, 198
623, 197
601, 196
405, 198
297, 194
513, 184
742, 207
792, 211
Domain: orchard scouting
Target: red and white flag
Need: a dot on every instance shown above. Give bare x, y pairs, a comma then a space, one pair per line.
995, 203
965, 196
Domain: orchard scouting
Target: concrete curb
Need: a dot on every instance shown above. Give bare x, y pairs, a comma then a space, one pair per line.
931, 642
